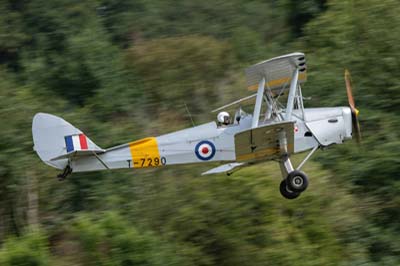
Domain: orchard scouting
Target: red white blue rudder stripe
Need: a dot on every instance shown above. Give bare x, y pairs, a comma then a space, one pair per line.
205, 150
76, 142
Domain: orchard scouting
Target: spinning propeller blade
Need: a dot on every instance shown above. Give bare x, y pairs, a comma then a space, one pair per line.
354, 110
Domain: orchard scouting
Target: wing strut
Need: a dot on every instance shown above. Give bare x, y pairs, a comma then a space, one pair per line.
233, 103
257, 108
292, 92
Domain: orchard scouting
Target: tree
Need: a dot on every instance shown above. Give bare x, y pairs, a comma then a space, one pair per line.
28, 250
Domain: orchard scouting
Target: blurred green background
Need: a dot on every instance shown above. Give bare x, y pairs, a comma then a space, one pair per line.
122, 70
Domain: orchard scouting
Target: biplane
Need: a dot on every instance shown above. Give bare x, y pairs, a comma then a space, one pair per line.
278, 127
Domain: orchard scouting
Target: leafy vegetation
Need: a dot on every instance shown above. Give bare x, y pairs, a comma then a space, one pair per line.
121, 70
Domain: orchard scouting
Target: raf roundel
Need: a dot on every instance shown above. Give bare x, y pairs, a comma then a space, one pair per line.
205, 150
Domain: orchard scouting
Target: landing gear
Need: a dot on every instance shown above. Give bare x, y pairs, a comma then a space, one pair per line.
297, 181
285, 192
67, 171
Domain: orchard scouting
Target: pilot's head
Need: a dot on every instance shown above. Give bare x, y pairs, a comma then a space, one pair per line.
224, 118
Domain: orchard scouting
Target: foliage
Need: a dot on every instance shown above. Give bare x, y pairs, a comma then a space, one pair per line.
110, 240
120, 70
29, 250
348, 32
198, 63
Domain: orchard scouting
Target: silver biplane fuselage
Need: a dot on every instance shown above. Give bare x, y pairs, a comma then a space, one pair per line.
325, 126
248, 139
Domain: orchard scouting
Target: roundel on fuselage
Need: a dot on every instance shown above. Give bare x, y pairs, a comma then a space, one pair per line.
205, 150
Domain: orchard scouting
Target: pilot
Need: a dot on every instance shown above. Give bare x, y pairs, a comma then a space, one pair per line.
224, 118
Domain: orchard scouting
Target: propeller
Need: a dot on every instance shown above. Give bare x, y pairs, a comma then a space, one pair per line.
354, 110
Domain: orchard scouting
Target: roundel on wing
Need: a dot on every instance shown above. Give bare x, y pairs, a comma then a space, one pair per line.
205, 150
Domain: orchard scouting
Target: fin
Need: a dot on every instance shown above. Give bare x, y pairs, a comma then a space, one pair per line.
56, 141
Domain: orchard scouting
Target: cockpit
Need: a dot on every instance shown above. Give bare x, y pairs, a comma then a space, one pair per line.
224, 118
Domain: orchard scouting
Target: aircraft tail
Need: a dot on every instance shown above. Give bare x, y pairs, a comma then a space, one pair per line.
56, 141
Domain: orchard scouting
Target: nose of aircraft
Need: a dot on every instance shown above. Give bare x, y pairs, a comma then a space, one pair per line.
348, 123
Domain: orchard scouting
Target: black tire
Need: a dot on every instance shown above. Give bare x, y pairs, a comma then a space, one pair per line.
286, 193
297, 181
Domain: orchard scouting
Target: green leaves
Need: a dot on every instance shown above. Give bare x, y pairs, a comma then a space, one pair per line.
28, 250
121, 70
107, 239
177, 70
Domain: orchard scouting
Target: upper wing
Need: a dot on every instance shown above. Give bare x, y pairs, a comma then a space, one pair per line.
265, 142
277, 71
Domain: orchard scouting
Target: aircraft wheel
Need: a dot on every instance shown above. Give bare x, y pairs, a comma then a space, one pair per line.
286, 193
297, 181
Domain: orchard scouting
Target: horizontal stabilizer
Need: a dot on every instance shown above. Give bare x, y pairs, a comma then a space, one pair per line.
79, 153
223, 168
